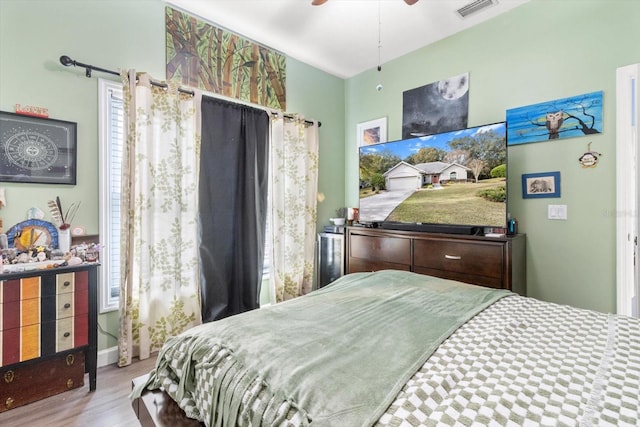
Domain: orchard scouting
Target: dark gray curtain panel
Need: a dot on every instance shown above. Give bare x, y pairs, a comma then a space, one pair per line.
233, 206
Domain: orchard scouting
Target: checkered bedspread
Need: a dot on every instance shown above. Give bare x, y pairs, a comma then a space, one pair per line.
520, 362
523, 362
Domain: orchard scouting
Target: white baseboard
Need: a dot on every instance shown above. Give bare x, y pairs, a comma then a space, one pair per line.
108, 356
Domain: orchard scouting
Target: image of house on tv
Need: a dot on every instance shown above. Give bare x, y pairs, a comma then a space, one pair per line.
455, 177
404, 176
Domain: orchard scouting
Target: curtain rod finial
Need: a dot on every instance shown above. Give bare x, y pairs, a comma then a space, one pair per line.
66, 61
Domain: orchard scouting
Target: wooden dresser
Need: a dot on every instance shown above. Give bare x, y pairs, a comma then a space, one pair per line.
48, 332
497, 262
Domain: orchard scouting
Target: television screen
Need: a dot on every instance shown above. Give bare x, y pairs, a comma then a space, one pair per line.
456, 178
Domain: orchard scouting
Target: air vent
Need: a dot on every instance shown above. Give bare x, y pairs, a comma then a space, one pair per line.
474, 7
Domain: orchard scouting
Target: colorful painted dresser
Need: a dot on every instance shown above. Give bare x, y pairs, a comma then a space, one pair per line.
48, 332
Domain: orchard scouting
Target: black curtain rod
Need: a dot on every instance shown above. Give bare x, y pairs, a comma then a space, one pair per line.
291, 117
67, 62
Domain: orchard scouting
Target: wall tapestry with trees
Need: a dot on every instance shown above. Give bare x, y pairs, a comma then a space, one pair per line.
203, 56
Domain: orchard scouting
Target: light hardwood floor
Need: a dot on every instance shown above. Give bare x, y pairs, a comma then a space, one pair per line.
107, 406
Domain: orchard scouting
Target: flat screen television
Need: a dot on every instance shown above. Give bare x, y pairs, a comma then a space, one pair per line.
453, 182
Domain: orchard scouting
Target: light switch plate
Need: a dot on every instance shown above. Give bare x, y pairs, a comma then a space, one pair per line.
557, 211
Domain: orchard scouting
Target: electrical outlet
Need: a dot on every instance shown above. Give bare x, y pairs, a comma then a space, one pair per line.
557, 211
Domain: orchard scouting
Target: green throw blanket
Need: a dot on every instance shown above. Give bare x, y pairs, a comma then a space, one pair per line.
339, 355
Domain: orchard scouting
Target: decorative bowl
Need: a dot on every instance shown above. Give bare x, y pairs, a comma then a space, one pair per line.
337, 221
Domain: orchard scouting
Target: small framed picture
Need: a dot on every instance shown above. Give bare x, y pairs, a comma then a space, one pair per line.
37, 150
539, 185
372, 132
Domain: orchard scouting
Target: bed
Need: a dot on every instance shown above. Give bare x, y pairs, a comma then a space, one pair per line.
395, 348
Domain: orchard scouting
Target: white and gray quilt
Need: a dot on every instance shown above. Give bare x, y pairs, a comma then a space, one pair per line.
519, 362
523, 362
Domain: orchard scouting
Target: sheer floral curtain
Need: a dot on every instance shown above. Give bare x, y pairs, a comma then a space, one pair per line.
159, 292
294, 189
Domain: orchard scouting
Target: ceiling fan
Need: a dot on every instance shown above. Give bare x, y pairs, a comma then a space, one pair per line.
321, 2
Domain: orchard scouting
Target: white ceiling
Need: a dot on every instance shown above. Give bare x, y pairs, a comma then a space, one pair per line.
341, 36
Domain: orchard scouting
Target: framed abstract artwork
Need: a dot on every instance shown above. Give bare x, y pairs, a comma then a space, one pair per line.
540, 185
37, 150
372, 132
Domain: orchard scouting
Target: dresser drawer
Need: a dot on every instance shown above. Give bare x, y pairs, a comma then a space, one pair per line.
469, 261
64, 334
20, 325
65, 283
20, 344
19, 289
20, 313
65, 305
383, 249
19, 302
29, 382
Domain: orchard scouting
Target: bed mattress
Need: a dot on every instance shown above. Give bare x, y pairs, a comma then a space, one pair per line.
519, 362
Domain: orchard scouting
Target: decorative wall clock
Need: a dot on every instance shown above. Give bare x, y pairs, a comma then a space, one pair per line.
31, 233
37, 150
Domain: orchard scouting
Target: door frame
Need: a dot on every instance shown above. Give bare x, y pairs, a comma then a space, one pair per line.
627, 185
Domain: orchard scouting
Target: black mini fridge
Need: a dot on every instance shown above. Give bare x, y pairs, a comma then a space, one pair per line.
329, 258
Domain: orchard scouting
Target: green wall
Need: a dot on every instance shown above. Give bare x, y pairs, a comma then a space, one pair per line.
117, 34
537, 52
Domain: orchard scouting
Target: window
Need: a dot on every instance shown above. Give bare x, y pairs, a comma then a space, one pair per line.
264, 298
453, 176
111, 141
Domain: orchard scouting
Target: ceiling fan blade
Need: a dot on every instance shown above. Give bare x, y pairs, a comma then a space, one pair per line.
321, 2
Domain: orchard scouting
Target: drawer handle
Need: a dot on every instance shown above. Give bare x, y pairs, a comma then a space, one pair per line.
69, 383
9, 402
66, 283
67, 334
453, 257
67, 305
8, 377
70, 359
